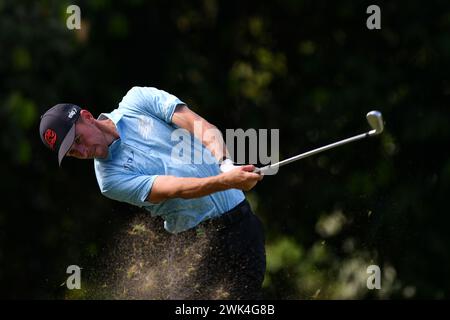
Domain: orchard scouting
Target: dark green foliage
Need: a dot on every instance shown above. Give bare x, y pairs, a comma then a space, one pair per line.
310, 68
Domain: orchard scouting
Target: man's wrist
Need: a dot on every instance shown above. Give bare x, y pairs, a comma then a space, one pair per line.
227, 165
222, 159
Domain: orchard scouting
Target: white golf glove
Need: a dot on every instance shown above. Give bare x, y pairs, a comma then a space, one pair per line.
227, 165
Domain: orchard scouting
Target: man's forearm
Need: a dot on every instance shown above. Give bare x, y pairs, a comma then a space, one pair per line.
167, 187
189, 188
212, 139
205, 132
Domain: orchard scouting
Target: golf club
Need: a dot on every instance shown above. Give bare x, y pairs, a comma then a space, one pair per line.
375, 120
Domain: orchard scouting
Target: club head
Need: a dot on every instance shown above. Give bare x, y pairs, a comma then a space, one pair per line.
375, 120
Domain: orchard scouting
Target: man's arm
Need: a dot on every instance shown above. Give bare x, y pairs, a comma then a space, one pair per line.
204, 131
168, 187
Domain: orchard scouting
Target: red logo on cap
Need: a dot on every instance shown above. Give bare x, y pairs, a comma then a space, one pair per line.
50, 138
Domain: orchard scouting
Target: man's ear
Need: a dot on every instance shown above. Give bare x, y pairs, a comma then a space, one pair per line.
86, 115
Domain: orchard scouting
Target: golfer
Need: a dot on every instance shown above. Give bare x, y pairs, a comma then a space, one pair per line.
136, 160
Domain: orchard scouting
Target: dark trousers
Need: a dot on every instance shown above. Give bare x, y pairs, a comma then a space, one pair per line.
233, 262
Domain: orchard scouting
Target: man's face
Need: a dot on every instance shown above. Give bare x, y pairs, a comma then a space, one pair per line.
90, 142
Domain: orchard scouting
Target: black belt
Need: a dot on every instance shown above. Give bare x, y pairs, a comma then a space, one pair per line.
231, 217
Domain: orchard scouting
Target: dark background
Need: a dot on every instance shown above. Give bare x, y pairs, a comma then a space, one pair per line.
309, 68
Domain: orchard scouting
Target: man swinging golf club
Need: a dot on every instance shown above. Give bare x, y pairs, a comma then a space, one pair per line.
132, 148
133, 157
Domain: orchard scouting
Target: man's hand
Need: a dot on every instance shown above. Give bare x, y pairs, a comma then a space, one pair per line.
242, 177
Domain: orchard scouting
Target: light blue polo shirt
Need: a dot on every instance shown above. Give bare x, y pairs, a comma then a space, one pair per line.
146, 149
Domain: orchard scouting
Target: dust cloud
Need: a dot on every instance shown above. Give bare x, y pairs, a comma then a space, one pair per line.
147, 262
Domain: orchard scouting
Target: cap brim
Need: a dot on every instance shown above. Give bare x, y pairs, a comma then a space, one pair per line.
66, 144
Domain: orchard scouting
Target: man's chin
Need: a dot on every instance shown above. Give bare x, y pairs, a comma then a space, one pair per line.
93, 154
100, 155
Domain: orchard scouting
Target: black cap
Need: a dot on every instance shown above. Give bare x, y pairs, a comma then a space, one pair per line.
57, 128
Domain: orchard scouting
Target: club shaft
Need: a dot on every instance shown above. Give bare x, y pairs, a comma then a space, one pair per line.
315, 151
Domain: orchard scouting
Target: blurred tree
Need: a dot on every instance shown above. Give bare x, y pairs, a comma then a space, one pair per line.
310, 68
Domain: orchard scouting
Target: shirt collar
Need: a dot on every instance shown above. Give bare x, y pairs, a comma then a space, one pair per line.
115, 117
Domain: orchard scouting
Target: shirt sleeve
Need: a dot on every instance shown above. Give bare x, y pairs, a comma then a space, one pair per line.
151, 101
130, 188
